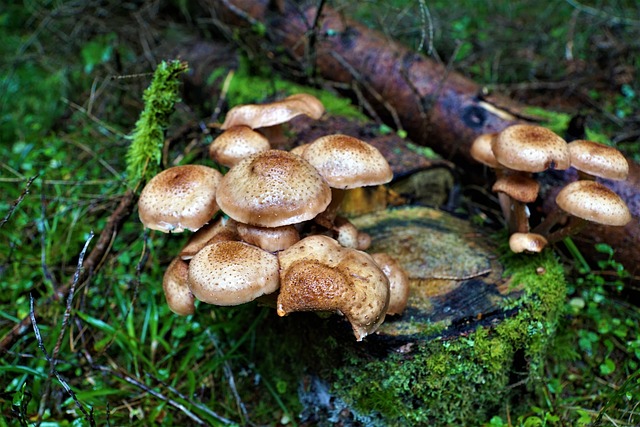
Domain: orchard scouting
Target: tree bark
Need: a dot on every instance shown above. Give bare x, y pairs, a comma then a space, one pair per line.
436, 106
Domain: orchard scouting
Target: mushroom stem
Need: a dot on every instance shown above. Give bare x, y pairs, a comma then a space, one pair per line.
549, 222
328, 216
574, 226
519, 218
505, 206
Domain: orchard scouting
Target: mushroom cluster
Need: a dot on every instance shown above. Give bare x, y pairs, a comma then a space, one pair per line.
520, 151
270, 225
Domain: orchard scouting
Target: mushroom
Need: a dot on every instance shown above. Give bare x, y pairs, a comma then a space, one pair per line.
521, 189
349, 236
482, 152
527, 242
232, 273
268, 117
317, 274
345, 163
272, 189
271, 239
399, 285
176, 290
589, 201
222, 229
595, 159
235, 144
179, 198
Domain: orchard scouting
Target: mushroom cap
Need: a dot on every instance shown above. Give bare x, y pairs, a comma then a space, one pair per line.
220, 230
235, 144
317, 274
598, 160
299, 149
517, 186
527, 242
274, 113
348, 162
530, 148
481, 150
594, 202
271, 239
176, 290
232, 273
179, 198
271, 189
399, 284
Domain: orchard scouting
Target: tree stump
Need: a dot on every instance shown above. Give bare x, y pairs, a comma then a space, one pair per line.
476, 325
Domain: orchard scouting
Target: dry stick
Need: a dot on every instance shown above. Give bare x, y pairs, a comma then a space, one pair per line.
90, 264
17, 202
63, 329
65, 385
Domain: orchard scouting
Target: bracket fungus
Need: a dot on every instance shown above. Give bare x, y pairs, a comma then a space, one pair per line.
317, 274
179, 198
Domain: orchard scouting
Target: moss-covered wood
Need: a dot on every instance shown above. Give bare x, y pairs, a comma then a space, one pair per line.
476, 329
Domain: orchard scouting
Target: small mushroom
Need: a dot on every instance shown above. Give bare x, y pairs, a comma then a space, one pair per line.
527, 242
272, 189
232, 273
399, 285
220, 230
482, 152
530, 148
235, 144
176, 290
317, 274
521, 190
271, 239
598, 160
179, 198
589, 201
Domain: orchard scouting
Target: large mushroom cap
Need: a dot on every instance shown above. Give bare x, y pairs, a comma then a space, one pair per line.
594, 202
317, 274
232, 273
530, 148
272, 189
348, 162
176, 290
263, 115
235, 144
179, 198
598, 160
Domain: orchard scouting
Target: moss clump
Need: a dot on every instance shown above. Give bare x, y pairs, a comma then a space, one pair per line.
463, 380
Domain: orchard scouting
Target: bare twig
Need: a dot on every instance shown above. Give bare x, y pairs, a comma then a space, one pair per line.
63, 382
17, 202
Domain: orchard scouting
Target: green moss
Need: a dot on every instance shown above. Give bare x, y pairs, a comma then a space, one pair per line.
463, 380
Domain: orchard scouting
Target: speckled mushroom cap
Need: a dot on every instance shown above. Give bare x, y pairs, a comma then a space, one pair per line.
482, 152
235, 144
530, 148
232, 273
348, 162
176, 291
317, 274
272, 189
519, 187
594, 202
399, 285
598, 160
220, 230
527, 242
179, 198
274, 113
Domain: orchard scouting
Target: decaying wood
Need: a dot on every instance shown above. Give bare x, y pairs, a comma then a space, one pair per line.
436, 106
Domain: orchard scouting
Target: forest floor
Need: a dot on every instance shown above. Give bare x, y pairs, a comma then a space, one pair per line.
72, 78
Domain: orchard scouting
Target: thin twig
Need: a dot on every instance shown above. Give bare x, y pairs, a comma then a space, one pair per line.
17, 202
65, 385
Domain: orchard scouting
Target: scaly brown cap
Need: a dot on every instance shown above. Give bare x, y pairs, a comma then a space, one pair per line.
594, 202
176, 290
519, 187
272, 189
179, 198
399, 285
598, 160
530, 148
235, 144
